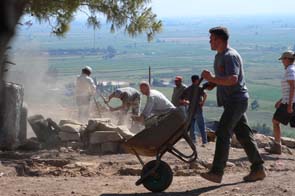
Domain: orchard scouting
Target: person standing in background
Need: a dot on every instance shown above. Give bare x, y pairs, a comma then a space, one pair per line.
85, 90
177, 91
198, 117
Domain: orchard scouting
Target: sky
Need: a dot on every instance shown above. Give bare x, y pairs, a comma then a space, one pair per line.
194, 8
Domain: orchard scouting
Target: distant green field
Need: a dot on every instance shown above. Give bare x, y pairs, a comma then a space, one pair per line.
181, 49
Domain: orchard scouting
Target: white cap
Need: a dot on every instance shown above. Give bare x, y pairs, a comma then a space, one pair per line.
88, 68
287, 54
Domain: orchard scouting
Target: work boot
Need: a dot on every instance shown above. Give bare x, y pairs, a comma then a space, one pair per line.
212, 176
255, 175
274, 148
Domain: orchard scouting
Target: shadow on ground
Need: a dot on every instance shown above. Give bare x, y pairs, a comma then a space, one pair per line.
194, 192
265, 156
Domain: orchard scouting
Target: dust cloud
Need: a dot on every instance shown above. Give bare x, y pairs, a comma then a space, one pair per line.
45, 90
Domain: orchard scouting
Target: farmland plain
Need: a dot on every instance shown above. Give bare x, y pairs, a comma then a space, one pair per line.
181, 49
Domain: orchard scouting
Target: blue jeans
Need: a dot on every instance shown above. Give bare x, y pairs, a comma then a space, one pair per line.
198, 119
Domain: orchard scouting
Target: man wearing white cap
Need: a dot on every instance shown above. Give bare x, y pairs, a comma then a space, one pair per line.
85, 89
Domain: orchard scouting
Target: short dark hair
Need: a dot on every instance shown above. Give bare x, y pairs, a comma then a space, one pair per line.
220, 32
194, 78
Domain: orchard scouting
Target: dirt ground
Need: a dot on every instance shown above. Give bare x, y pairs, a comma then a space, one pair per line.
72, 172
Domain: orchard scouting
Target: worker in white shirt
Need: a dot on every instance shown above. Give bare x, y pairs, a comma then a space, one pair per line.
85, 90
156, 105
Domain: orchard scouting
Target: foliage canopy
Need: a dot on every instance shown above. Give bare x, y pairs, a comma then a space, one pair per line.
134, 16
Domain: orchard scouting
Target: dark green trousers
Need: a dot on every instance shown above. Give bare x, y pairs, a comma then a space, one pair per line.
234, 120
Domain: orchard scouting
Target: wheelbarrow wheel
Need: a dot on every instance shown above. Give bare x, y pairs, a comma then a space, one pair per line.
159, 180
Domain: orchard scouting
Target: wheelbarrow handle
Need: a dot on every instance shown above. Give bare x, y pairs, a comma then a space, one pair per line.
105, 101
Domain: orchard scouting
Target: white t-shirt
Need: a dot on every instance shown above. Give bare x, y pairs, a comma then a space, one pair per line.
289, 75
85, 86
156, 104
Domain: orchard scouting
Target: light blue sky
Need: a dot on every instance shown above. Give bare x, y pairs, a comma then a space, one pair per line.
190, 8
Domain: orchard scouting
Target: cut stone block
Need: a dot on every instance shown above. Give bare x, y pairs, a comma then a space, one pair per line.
40, 127
71, 128
106, 120
69, 132
124, 132
63, 122
289, 142
45, 130
100, 125
261, 140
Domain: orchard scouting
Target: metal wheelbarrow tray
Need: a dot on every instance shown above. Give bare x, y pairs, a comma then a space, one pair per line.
157, 175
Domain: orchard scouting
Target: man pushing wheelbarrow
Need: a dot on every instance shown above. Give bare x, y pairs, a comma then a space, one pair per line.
156, 105
168, 126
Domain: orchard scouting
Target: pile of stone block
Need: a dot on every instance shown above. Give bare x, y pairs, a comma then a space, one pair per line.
103, 137
70, 130
289, 142
51, 135
264, 141
261, 140
99, 136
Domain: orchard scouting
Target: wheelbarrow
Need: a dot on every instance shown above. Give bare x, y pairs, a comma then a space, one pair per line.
157, 175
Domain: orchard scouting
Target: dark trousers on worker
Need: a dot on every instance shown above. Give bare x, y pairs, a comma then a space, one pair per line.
234, 120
